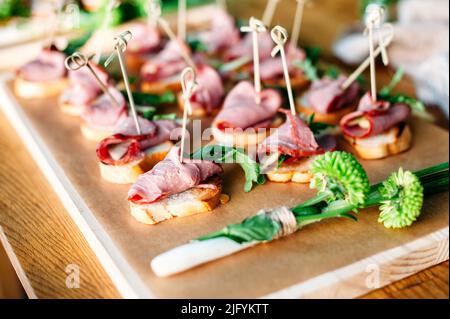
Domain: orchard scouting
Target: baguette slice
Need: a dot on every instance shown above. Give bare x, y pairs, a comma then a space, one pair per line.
159, 87
394, 141
38, 90
332, 118
197, 111
190, 202
297, 172
94, 134
70, 109
128, 174
242, 138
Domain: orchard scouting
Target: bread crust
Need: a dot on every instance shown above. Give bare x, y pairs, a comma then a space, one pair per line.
296, 173
160, 87
70, 109
193, 201
397, 140
128, 174
38, 90
332, 118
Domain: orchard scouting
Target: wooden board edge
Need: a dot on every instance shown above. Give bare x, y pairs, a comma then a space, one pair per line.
21, 274
374, 272
115, 265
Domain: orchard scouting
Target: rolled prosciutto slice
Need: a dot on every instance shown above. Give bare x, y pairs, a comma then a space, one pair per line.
146, 39
295, 138
240, 109
83, 87
373, 120
170, 177
166, 64
105, 114
272, 68
326, 95
210, 90
245, 47
126, 145
223, 34
48, 66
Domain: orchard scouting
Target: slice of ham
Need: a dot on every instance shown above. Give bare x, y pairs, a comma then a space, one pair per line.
146, 39
48, 66
126, 145
84, 88
104, 113
166, 64
210, 91
372, 119
245, 47
223, 34
240, 109
272, 68
295, 138
170, 177
326, 95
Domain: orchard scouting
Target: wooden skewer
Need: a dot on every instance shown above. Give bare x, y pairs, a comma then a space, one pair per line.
280, 36
111, 5
77, 61
182, 19
269, 12
384, 43
256, 26
120, 47
188, 85
297, 22
155, 11
54, 21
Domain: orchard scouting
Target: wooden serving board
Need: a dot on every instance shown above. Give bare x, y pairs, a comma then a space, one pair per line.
335, 258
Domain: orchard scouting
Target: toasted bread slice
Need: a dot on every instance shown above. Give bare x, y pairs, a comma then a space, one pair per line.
173, 84
297, 83
38, 90
70, 109
242, 138
394, 141
190, 202
128, 174
197, 111
332, 118
94, 134
297, 172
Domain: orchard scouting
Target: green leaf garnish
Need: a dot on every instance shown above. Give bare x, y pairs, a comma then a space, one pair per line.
281, 159
332, 72
226, 154
308, 68
394, 81
256, 228
152, 99
317, 127
75, 44
312, 54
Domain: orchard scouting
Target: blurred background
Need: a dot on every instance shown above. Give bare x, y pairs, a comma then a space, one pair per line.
332, 27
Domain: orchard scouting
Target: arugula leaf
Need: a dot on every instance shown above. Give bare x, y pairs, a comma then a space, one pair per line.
75, 44
158, 117
152, 99
281, 159
256, 228
14, 8
147, 112
332, 72
196, 44
317, 127
308, 68
226, 154
313, 54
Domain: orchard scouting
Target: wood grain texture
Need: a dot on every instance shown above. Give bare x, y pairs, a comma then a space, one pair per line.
42, 235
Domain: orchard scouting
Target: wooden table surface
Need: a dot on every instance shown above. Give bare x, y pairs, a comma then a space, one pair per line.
42, 240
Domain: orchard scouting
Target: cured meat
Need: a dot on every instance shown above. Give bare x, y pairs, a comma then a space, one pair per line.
146, 39
83, 87
326, 95
373, 119
223, 34
240, 109
245, 47
105, 114
130, 143
210, 90
170, 177
295, 138
272, 68
48, 66
169, 62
